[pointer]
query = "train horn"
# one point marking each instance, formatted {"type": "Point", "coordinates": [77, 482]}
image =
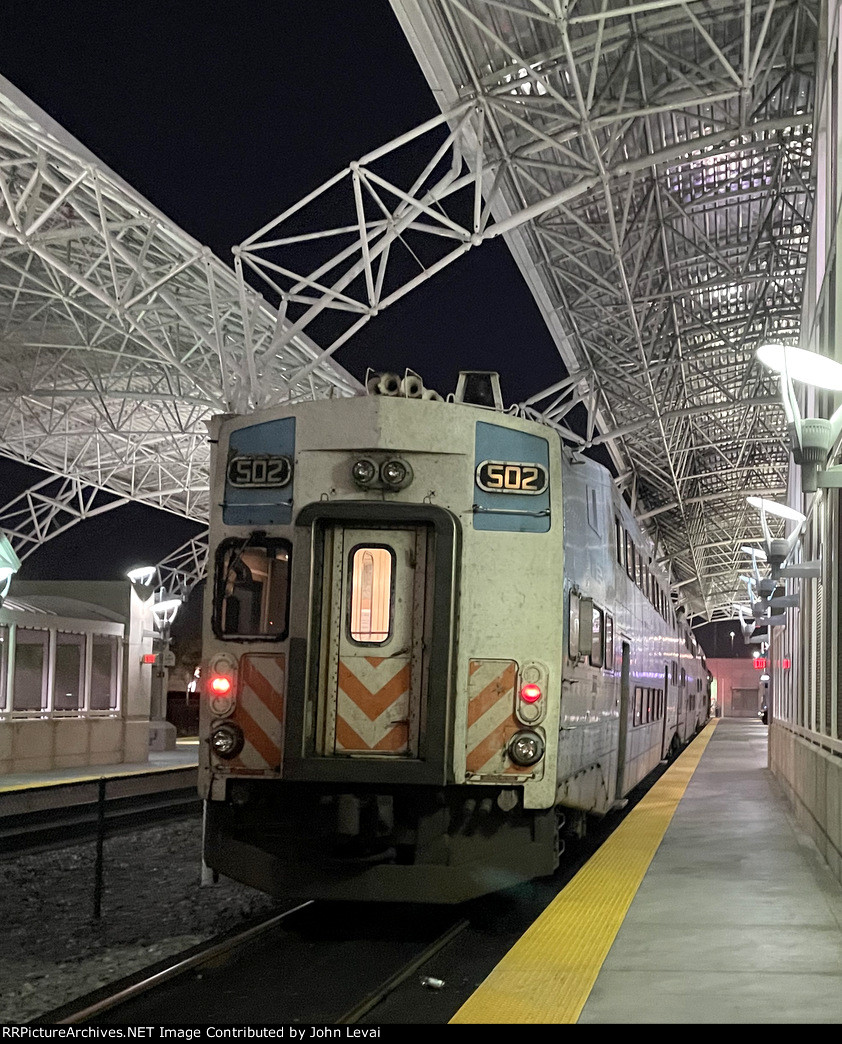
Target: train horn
{"type": "Point", "coordinates": [389, 384]}
{"type": "Point", "coordinates": [431, 396]}
{"type": "Point", "coordinates": [412, 386]}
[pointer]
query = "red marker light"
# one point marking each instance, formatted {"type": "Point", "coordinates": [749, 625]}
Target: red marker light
{"type": "Point", "coordinates": [148, 658]}
{"type": "Point", "coordinates": [760, 663]}
{"type": "Point", "coordinates": [531, 693]}
{"type": "Point", "coordinates": [787, 663]}
{"type": "Point", "coordinates": [220, 685]}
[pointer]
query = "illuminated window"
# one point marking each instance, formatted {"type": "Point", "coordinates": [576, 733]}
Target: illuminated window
{"type": "Point", "coordinates": [637, 718]}
{"type": "Point", "coordinates": [371, 594]}
{"type": "Point", "coordinates": [252, 588]}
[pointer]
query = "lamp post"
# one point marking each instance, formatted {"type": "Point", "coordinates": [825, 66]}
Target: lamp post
{"type": "Point", "coordinates": [162, 733]}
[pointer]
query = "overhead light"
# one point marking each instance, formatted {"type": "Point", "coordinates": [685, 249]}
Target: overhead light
{"type": "Point", "coordinates": [811, 438]}
{"type": "Point", "coordinates": [143, 581]}
{"type": "Point", "coordinates": [772, 507]}
{"type": "Point", "coordinates": [801, 365]}
{"type": "Point", "coordinates": [165, 611]}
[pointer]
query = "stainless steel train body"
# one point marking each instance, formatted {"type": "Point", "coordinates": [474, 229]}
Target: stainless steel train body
{"type": "Point", "coordinates": [429, 636]}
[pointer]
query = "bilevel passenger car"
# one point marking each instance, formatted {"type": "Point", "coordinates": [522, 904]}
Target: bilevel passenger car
{"type": "Point", "coordinates": [430, 635]}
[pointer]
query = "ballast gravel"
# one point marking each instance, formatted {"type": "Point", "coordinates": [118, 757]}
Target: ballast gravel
{"type": "Point", "coordinates": [52, 948]}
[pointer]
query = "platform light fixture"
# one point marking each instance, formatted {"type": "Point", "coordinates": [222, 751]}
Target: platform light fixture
{"type": "Point", "coordinates": [812, 438]}
{"type": "Point", "coordinates": [143, 581]}
{"type": "Point", "coordinates": [164, 612]}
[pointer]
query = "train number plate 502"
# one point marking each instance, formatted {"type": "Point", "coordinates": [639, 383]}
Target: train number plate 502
{"type": "Point", "coordinates": [259, 471]}
{"type": "Point", "coordinates": [501, 476]}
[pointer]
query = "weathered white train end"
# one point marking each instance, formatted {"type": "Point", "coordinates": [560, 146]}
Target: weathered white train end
{"type": "Point", "coordinates": [421, 644]}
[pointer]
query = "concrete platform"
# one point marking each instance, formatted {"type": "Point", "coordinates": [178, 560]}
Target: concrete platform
{"type": "Point", "coordinates": [185, 755]}
{"type": "Point", "coordinates": [736, 920]}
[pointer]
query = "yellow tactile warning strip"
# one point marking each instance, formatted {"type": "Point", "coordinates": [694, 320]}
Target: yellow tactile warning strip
{"type": "Point", "coordinates": [549, 973]}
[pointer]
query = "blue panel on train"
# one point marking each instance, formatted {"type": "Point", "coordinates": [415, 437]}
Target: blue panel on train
{"type": "Point", "coordinates": [259, 475]}
{"type": "Point", "coordinates": [511, 480]}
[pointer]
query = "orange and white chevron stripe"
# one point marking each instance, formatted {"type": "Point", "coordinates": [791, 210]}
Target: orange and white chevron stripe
{"type": "Point", "coordinates": [372, 707]}
{"type": "Point", "coordinates": [491, 717]}
{"type": "Point", "coordinates": [259, 712]}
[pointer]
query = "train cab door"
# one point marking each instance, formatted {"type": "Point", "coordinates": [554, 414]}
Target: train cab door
{"type": "Point", "coordinates": [372, 698]}
{"type": "Point", "coordinates": [625, 698]}
{"type": "Point", "coordinates": [665, 734]}
{"type": "Point", "coordinates": [681, 709]}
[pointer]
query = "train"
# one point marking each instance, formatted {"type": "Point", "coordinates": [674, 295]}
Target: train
{"type": "Point", "coordinates": [435, 641]}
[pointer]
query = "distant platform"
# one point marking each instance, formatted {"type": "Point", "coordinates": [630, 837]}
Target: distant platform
{"type": "Point", "coordinates": [185, 756]}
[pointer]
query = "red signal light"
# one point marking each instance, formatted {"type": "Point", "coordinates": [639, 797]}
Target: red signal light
{"type": "Point", "coordinates": [148, 658]}
{"type": "Point", "coordinates": [531, 693]}
{"type": "Point", "coordinates": [760, 663]}
{"type": "Point", "coordinates": [220, 685]}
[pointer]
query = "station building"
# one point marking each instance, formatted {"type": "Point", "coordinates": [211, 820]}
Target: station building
{"type": "Point", "coordinates": [77, 671]}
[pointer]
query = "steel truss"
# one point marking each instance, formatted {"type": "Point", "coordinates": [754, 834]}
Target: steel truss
{"type": "Point", "coordinates": [650, 166]}
{"type": "Point", "coordinates": [120, 334]}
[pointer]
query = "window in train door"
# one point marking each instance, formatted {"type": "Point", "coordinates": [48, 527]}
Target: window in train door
{"type": "Point", "coordinates": [598, 638]}
{"type": "Point", "coordinates": [609, 642]}
{"type": "Point", "coordinates": [372, 594]}
{"type": "Point", "coordinates": [573, 627]}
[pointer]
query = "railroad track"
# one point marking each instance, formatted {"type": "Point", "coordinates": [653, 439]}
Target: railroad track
{"type": "Point", "coordinates": [70, 813]}
{"type": "Point", "coordinates": [166, 991]}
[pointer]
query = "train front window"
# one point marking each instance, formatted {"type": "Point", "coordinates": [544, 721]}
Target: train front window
{"type": "Point", "coordinates": [252, 588]}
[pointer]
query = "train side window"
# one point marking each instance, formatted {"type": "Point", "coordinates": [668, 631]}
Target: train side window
{"type": "Point", "coordinates": [598, 638]}
{"type": "Point", "coordinates": [638, 707]}
{"type": "Point", "coordinates": [683, 677]}
{"type": "Point", "coordinates": [629, 556]}
{"type": "Point", "coordinates": [371, 582]}
{"type": "Point", "coordinates": [609, 641]}
{"type": "Point", "coordinates": [251, 593]}
{"type": "Point", "coordinates": [674, 672]}
{"type": "Point", "coordinates": [619, 534]}
{"type": "Point", "coordinates": [573, 628]}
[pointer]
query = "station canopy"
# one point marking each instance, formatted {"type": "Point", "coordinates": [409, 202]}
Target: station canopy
{"type": "Point", "coordinates": [649, 166]}
{"type": "Point", "coordinates": [677, 137]}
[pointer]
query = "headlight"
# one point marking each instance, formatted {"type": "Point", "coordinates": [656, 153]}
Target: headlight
{"type": "Point", "coordinates": [226, 740]}
{"type": "Point", "coordinates": [526, 748]}
{"type": "Point", "coordinates": [396, 474]}
{"type": "Point", "coordinates": [364, 472]}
